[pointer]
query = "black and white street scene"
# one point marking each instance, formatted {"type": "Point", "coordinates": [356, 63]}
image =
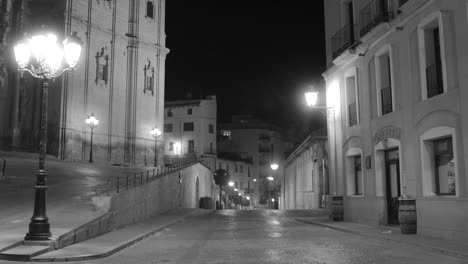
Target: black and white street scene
{"type": "Point", "coordinates": [180, 132]}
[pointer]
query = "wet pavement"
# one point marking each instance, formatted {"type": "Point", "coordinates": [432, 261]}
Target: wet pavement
{"type": "Point", "coordinates": [266, 236]}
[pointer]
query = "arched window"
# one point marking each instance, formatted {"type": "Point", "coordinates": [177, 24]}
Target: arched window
{"type": "Point", "coordinates": [149, 9]}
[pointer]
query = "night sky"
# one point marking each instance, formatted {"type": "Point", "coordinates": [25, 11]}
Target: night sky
{"type": "Point", "coordinates": [257, 57]}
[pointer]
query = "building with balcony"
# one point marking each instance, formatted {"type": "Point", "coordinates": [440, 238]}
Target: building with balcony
{"type": "Point", "coordinates": [306, 180]}
{"type": "Point", "coordinates": [119, 78]}
{"type": "Point", "coordinates": [263, 143]}
{"type": "Point", "coordinates": [395, 80]}
{"type": "Point", "coordinates": [190, 127]}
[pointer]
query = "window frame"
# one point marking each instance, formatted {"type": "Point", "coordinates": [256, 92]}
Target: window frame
{"type": "Point", "coordinates": [439, 18]}
{"type": "Point", "coordinates": [353, 72]}
{"type": "Point", "coordinates": [166, 126]}
{"type": "Point", "coordinates": [150, 2]}
{"type": "Point", "coordinates": [428, 166]}
{"type": "Point", "coordinates": [186, 126]}
{"type": "Point", "coordinates": [386, 50]}
{"type": "Point", "coordinates": [191, 146]}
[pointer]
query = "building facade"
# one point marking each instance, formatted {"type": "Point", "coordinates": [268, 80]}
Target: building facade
{"type": "Point", "coordinates": [396, 83]}
{"type": "Point", "coordinates": [263, 143]}
{"type": "Point", "coordinates": [190, 127]}
{"type": "Point", "coordinates": [119, 78]}
{"type": "Point", "coordinates": [240, 174]}
{"type": "Point", "coordinates": [306, 180]}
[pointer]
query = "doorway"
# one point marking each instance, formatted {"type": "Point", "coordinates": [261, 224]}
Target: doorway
{"type": "Point", "coordinates": [392, 182]}
{"type": "Point", "coordinates": [197, 193]}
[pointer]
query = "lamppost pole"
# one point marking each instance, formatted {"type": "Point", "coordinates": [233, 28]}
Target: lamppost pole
{"type": "Point", "coordinates": [44, 59]}
{"type": "Point", "coordinates": [92, 122]}
{"type": "Point", "coordinates": [155, 132]}
{"type": "Point", "coordinates": [274, 167]}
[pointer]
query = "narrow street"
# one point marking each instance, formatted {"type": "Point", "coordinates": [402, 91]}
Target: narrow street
{"type": "Point", "coordinates": [266, 236]}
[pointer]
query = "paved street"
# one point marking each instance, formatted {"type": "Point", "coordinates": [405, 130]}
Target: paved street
{"type": "Point", "coordinates": [260, 236]}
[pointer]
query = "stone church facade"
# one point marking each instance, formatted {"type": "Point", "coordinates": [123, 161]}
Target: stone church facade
{"type": "Point", "coordinates": [119, 78]}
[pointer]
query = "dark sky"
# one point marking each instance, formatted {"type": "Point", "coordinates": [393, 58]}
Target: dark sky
{"type": "Point", "coordinates": [256, 56]}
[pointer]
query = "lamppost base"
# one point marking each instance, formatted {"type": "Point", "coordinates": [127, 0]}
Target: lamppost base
{"type": "Point", "coordinates": [38, 231]}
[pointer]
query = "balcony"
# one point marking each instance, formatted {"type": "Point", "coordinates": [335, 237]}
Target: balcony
{"type": "Point", "coordinates": [345, 38]}
{"type": "Point", "coordinates": [352, 114]}
{"type": "Point", "coordinates": [434, 81]}
{"type": "Point", "coordinates": [386, 99]}
{"type": "Point", "coordinates": [374, 13]}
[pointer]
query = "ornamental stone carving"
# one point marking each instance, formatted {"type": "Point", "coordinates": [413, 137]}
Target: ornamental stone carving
{"type": "Point", "coordinates": [386, 133]}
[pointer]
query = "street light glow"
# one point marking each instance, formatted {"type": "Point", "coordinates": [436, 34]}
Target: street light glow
{"type": "Point", "coordinates": [155, 132]}
{"type": "Point", "coordinates": [270, 178]}
{"type": "Point", "coordinates": [231, 183]}
{"type": "Point", "coordinates": [274, 166]}
{"type": "Point", "coordinates": [235, 190]}
{"type": "Point", "coordinates": [273, 199]}
{"type": "Point", "coordinates": [91, 121]}
{"type": "Point", "coordinates": [248, 197]}
{"type": "Point", "coordinates": [240, 194]}
{"type": "Point", "coordinates": [311, 98]}
{"type": "Point", "coordinates": [254, 180]}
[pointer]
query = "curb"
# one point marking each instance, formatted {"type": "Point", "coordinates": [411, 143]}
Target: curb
{"type": "Point", "coordinates": [429, 248]}
{"type": "Point", "coordinates": [119, 247]}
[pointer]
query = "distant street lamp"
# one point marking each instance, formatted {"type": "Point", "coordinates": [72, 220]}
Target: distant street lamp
{"type": "Point", "coordinates": [92, 122]}
{"type": "Point", "coordinates": [44, 58]}
{"type": "Point", "coordinates": [274, 166]}
{"type": "Point", "coordinates": [231, 183]}
{"type": "Point", "coordinates": [235, 189]}
{"type": "Point", "coordinates": [254, 180]}
{"type": "Point", "coordinates": [155, 132]}
{"type": "Point", "coordinates": [270, 178]}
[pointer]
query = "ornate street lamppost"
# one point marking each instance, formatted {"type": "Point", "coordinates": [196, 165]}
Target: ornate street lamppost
{"type": "Point", "coordinates": [44, 58]}
{"type": "Point", "coordinates": [92, 122]}
{"type": "Point", "coordinates": [333, 102]}
{"type": "Point", "coordinates": [155, 132]}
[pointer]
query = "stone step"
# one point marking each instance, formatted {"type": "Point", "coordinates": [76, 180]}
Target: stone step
{"type": "Point", "coordinates": [25, 252]}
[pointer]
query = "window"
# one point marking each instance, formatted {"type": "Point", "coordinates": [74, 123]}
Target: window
{"type": "Point", "coordinates": [189, 111]}
{"type": "Point", "coordinates": [444, 167]}
{"type": "Point", "coordinates": [439, 162]}
{"type": "Point", "coordinates": [241, 168]}
{"type": "Point", "coordinates": [352, 97]}
{"type": "Point", "coordinates": [210, 129]}
{"type": "Point", "coordinates": [191, 146]}
{"type": "Point", "coordinates": [211, 147]}
{"type": "Point", "coordinates": [431, 59]}
{"type": "Point", "coordinates": [167, 128]}
{"type": "Point", "coordinates": [188, 126]}
{"type": "Point", "coordinates": [226, 134]}
{"type": "Point", "coordinates": [171, 146]}
{"type": "Point", "coordinates": [241, 185]}
{"type": "Point", "coordinates": [357, 175]}
{"type": "Point", "coordinates": [149, 9]}
{"type": "Point", "coordinates": [384, 82]}
{"type": "Point", "coordinates": [235, 168]}
{"type": "Point", "coordinates": [169, 113]}
{"type": "Point", "coordinates": [236, 184]}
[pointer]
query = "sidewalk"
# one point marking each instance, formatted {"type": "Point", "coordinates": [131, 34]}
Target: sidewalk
{"type": "Point", "coordinates": [117, 240]}
{"type": "Point", "coordinates": [443, 246]}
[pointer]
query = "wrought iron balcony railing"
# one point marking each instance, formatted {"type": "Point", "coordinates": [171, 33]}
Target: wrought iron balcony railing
{"type": "Point", "coordinates": [352, 114]}
{"type": "Point", "coordinates": [345, 38]}
{"type": "Point", "coordinates": [434, 81]}
{"type": "Point", "coordinates": [402, 2]}
{"type": "Point", "coordinates": [386, 99]}
{"type": "Point", "coordinates": [374, 13]}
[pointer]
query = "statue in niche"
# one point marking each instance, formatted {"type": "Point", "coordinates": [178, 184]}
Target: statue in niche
{"type": "Point", "coordinates": [149, 78]}
{"type": "Point", "coordinates": [102, 67]}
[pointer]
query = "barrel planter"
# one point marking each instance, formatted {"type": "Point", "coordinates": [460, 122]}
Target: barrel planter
{"type": "Point", "coordinates": [337, 208]}
{"type": "Point", "coordinates": [407, 216]}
